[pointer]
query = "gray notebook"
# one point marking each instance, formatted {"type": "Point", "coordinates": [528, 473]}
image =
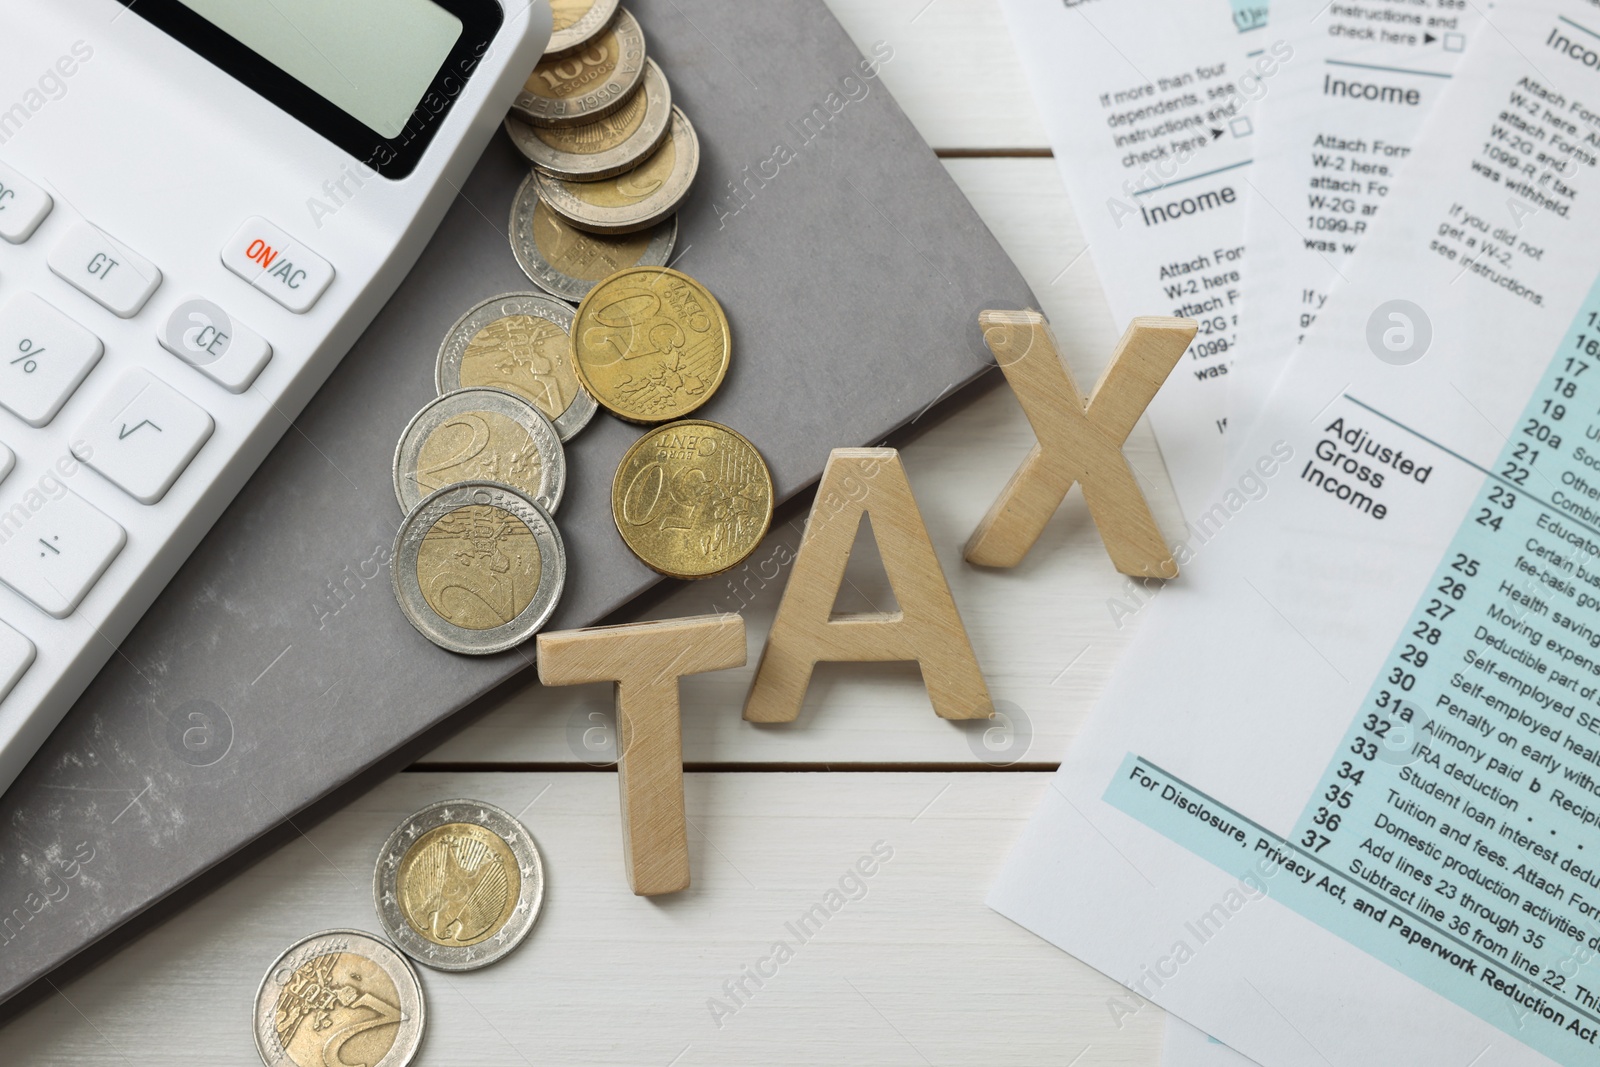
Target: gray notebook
{"type": "Point", "coordinates": [276, 676]}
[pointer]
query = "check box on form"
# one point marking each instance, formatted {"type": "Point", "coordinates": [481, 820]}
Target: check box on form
{"type": "Point", "coordinates": [1242, 126]}
{"type": "Point", "coordinates": [1455, 42]}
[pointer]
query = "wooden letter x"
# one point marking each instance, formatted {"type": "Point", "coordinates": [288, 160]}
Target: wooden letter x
{"type": "Point", "coordinates": [1079, 441]}
{"type": "Point", "coordinates": [645, 660]}
{"type": "Point", "coordinates": [927, 629]}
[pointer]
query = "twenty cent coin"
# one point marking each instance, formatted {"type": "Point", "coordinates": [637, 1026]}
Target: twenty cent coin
{"type": "Point", "coordinates": [638, 199]}
{"type": "Point", "coordinates": [605, 148]}
{"type": "Point", "coordinates": [478, 568]}
{"type": "Point", "coordinates": [340, 996]}
{"type": "Point", "coordinates": [480, 435]}
{"type": "Point", "coordinates": [567, 262]}
{"type": "Point", "coordinates": [650, 344]}
{"type": "Point", "coordinates": [589, 83]}
{"type": "Point", "coordinates": [518, 342]}
{"type": "Point", "coordinates": [692, 499]}
{"type": "Point", "coordinates": [575, 21]}
{"type": "Point", "coordinates": [458, 885]}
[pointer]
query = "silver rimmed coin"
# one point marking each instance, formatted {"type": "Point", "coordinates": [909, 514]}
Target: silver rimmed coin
{"type": "Point", "coordinates": [517, 342]}
{"type": "Point", "coordinates": [480, 435]}
{"type": "Point", "coordinates": [588, 83]}
{"type": "Point", "coordinates": [341, 996]}
{"type": "Point", "coordinates": [638, 199]}
{"type": "Point", "coordinates": [458, 885]}
{"type": "Point", "coordinates": [602, 149]}
{"type": "Point", "coordinates": [575, 21]}
{"type": "Point", "coordinates": [567, 262]}
{"type": "Point", "coordinates": [478, 568]}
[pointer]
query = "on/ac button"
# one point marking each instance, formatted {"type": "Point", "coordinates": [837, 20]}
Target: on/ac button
{"type": "Point", "coordinates": [277, 264]}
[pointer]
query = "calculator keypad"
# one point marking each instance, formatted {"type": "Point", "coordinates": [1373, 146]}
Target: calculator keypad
{"type": "Point", "coordinates": [142, 434]}
{"type": "Point", "coordinates": [277, 265]}
{"type": "Point", "coordinates": [206, 337]}
{"type": "Point", "coordinates": [16, 656]}
{"type": "Point", "coordinates": [53, 548]}
{"type": "Point", "coordinates": [44, 356]}
{"type": "Point", "coordinates": [106, 271]}
{"type": "Point", "coordinates": [23, 205]}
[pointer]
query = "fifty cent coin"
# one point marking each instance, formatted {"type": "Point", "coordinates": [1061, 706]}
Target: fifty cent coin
{"type": "Point", "coordinates": [340, 996]}
{"type": "Point", "coordinates": [589, 83]}
{"type": "Point", "coordinates": [458, 885]}
{"type": "Point", "coordinates": [478, 568]}
{"type": "Point", "coordinates": [650, 344]}
{"type": "Point", "coordinates": [638, 199]}
{"type": "Point", "coordinates": [480, 435]}
{"type": "Point", "coordinates": [692, 499]}
{"type": "Point", "coordinates": [605, 148]}
{"type": "Point", "coordinates": [575, 21]}
{"type": "Point", "coordinates": [518, 342]}
{"type": "Point", "coordinates": [567, 262]}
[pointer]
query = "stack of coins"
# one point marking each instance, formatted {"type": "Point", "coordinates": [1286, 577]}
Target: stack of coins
{"type": "Point", "coordinates": [479, 563]}
{"type": "Point", "coordinates": [612, 156]}
{"type": "Point", "coordinates": [691, 498]}
{"type": "Point", "coordinates": [456, 887]}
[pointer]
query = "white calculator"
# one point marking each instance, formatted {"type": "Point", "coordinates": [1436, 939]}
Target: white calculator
{"type": "Point", "coordinates": [203, 203]}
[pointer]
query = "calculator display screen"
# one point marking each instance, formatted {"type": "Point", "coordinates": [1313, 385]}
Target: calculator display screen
{"type": "Point", "coordinates": [378, 78]}
{"type": "Point", "coordinates": [372, 58]}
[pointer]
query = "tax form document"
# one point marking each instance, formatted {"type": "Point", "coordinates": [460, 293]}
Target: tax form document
{"type": "Point", "coordinates": [1337, 125]}
{"type": "Point", "coordinates": [1341, 803]}
{"type": "Point", "coordinates": [1185, 1046]}
{"type": "Point", "coordinates": [1148, 105]}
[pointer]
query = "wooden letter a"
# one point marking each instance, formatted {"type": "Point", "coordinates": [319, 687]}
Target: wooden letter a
{"type": "Point", "coordinates": [927, 629]}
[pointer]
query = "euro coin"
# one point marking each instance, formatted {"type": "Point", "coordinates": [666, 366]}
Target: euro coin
{"type": "Point", "coordinates": [589, 83]}
{"type": "Point", "coordinates": [650, 344]}
{"type": "Point", "coordinates": [340, 996]}
{"type": "Point", "coordinates": [692, 499]}
{"type": "Point", "coordinates": [458, 885]}
{"type": "Point", "coordinates": [478, 568]}
{"type": "Point", "coordinates": [518, 342]}
{"type": "Point", "coordinates": [602, 149]}
{"type": "Point", "coordinates": [574, 22]}
{"type": "Point", "coordinates": [566, 262]}
{"type": "Point", "coordinates": [480, 435]}
{"type": "Point", "coordinates": [637, 199]}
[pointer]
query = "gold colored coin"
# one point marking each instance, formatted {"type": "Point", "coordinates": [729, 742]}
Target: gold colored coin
{"type": "Point", "coordinates": [634, 199]}
{"type": "Point", "coordinates": [575, 21]}
{"type": "Point", "coordinates": [479, 446]}
{"type": "Point", "coordinates": [524, 355]}
{"type": "Point", "coordinates": [636, 186]}
{"type": "Point", "coordinates": [565, 13]}
{"type": "Point", "coordinates": [650, 344]}
{"type": "Point", "coordinates": [478, 567]}
{"type": "Point", "coordinates": [613, 145]}
{"type": "Point", "coordinates": [601, 136]}
{"type": "Point", "coordinates": [692, 499]}
{"type": "Point", "coordinates": [588, 83]}
{"type": "Point", "coordinates": [334, 994]}
{"type": "Point", "coordinates": [558, 79]}
{"type": "Point", "coordinates": [588, 257]}
{"type": "Point", "coordinates": [458, 885]}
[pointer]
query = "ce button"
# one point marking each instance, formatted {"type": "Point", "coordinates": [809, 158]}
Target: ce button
{"type": "Point", "coordinates": [216, 344]}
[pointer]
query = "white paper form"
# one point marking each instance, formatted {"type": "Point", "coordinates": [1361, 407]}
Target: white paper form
{"type": "Point", "coordinates": [1187, 1047]}
{"type": "Point", "coordinates": [1341, 803]}
{"type": "Point", "coordinates": [1336, 127]}
{"type": "Point", "coordinates": [1148, 105]}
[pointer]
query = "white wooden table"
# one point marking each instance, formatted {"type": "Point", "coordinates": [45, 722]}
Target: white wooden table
{"type": "Point", "coordinates": [916, 971]}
